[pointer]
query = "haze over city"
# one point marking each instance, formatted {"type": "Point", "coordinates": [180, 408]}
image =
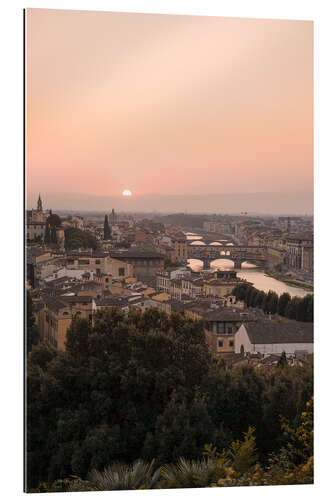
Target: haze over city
{"type": "Point", "coordinates": [189, 113]}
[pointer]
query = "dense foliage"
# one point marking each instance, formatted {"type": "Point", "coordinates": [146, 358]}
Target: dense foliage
{"type": "Point", "coordinates": [236, 465]}
{"type": "Point", "coordinates": [76, 238]}
{"type": "Point", "coordinates": [32, 336]}
{"type": "Point", "coordinates": [143, 386]}
{"type": "Point", "coordinates": [300, 309]}
{"type": "Point", "coordinates": [52, 223]}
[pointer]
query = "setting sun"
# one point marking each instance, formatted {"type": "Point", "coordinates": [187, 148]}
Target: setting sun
{"type": "Point", "coordinates": [127, 192]}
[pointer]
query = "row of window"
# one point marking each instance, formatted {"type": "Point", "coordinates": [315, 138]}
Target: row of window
{"type": "Point", "coordinates": [224, 343]}
{"type": "Point", "coordinates": [221, 327]}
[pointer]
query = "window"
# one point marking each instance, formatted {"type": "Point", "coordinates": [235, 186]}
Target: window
{"type": "Point", "coordinates": [220, 327]}
{"type": "Point", "coordinates": [97, 261]}
{"type": "Point", "coordinates": [121, 271]}
{"type": "Point", "coordinates": [231, 343]}
{"type": "Point", "coordinates": [106, 280]}
{"type": "Point", "coordinates": [220, 343]}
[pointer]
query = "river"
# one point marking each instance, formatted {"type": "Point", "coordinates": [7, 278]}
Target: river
{"type": "Point", "coordinates": [251, 273]}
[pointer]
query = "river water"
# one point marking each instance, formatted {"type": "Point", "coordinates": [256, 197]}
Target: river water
{"type": "Point", "coordinates": [250, 272]}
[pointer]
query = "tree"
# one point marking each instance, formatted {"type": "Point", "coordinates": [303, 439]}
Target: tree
{"type": "Point", "coordinates": [76, 238]}
{"type": "Point", "coordinates": [292, 308]}
{"type": "Point", "coordinates": [107, 230]}
{"type": "Point", "coordinates": [53, 236]}
{"type": "Point", "coordinates": [32, 335]}
{"type": "Point", "coordinates": [47, 237]}
{"type": "Point", "coordinates": [284, 300]}
{"type": "Point", "coordinates": [142, 385]}
{"type": "Point", "coordinates": [54, 220]}
{"type": "Point", "coordinates": [260, 298]}
{"type": "Point", "coordinates": [77, 338]}
{"type": "Point", "coordinates": [273, 303]}
{"type": "Point", "coordinates": [283, 359]}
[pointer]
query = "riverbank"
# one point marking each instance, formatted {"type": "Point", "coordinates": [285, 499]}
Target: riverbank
{"type": "Point", "coordinates": [288, 280]}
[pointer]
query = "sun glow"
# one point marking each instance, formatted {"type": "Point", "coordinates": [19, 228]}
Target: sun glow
{"type": "Point", "coordinates": [127, 192]}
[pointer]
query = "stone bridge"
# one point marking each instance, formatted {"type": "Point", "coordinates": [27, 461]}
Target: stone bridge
{"type": "Point", "coordinates": [210, 241]}
{"type": "Point", "coordinates": [237, 253]}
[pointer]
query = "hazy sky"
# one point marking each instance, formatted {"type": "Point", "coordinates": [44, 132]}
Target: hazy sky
{"type": "Point", "coordinates": [166, 105]}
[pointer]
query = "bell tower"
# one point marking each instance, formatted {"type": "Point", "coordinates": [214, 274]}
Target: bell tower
{"type": "Point", "coordinates": [39, 204]}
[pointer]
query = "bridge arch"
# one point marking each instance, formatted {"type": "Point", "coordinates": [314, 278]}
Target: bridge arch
{"type": "Point", "coordinates": [235, 264]}
{"type": "Point", "coordinates": [197, 243]}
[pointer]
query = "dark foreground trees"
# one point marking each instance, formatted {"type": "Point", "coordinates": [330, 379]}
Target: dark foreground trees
{"type": "Point", "coordinates": [32, 335]}
{"type": "Point", "coordinates": [144, 386]}
{"type": "Point", "coordinates": [236, 465]}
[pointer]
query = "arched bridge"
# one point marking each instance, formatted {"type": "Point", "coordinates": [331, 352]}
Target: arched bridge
{"type": "Point", "coordinates": [215, 242]}
{"type": "Point", "coordinates": [236, 253]}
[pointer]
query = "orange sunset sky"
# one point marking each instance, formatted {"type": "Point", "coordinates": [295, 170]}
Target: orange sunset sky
{"type": "Point", "coordinates": [174, 108]}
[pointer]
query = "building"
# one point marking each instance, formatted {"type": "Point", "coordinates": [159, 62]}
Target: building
{"type": "Point", "coordinates": [163, 278]}
{"type": "Point", "coordinates": [122, 302]}
{"type": "Point", "coordinates": [274, 337]}
{"type": "Point", "coordinates": [307, 258]}
{"type": "Point", "coordinates": [221, 324]}
{"type": "Point", "coordinates": [294, 245]}
{"type": "Point", "coordinates": [113, 218]}
{"type": "Point", "coordinates": [35, 231]}
{"type": "Point", "coordinates": [179, 243]}
{"type": "Point", "coordinates": [217, 227]}
{"type": "Point", "coordinates": [60, 237]}
{"type": "Point", "coordinates": [56, 314]}
{"type": "Point", "coordinates": [145, 263]}
{"type": "Point", "coordinates": [40, 264]}
{"type": "Point", "coordinates": [75, 221]}
{"type": "Point", "coordinates": [221, 284]}
{"type": "Point", "coordinates": [100, 263]}
{"type": "Point", "coordinates": [38, 214]}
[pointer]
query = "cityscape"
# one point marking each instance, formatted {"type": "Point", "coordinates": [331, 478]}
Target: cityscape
{"type": "Point", "coordinates": [168, 332]}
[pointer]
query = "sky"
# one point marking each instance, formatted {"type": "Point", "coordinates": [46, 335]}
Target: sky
{"type": "Point", "coordinates": [188, 112]}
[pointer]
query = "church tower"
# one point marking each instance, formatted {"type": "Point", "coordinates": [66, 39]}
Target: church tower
{"type": "Point", "coordinates": [39, 204]}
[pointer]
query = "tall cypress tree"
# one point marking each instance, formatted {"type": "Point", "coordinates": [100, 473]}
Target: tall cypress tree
{"type": "Point", "coordinates": [107, 230]}
{"type": "Point", "coordinates": [47, 236]}
{"type": "Point", "coordinates": [53, 234]}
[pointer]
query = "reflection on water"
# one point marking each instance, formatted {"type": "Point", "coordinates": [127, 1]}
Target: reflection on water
{"type": "Point", "coordinates": [253, 275]}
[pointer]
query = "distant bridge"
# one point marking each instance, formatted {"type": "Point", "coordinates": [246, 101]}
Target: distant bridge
{"type": "Point", "coordinates": [237, 253]}
{"type": "Point", "coordinates": [211, 241]}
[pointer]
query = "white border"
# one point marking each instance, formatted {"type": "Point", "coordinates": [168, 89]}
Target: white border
{"type": "Point", "coordinates": [12, 220]}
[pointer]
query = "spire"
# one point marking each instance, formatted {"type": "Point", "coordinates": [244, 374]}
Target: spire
{"type": "Point", "coordinates": [39, 204]}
